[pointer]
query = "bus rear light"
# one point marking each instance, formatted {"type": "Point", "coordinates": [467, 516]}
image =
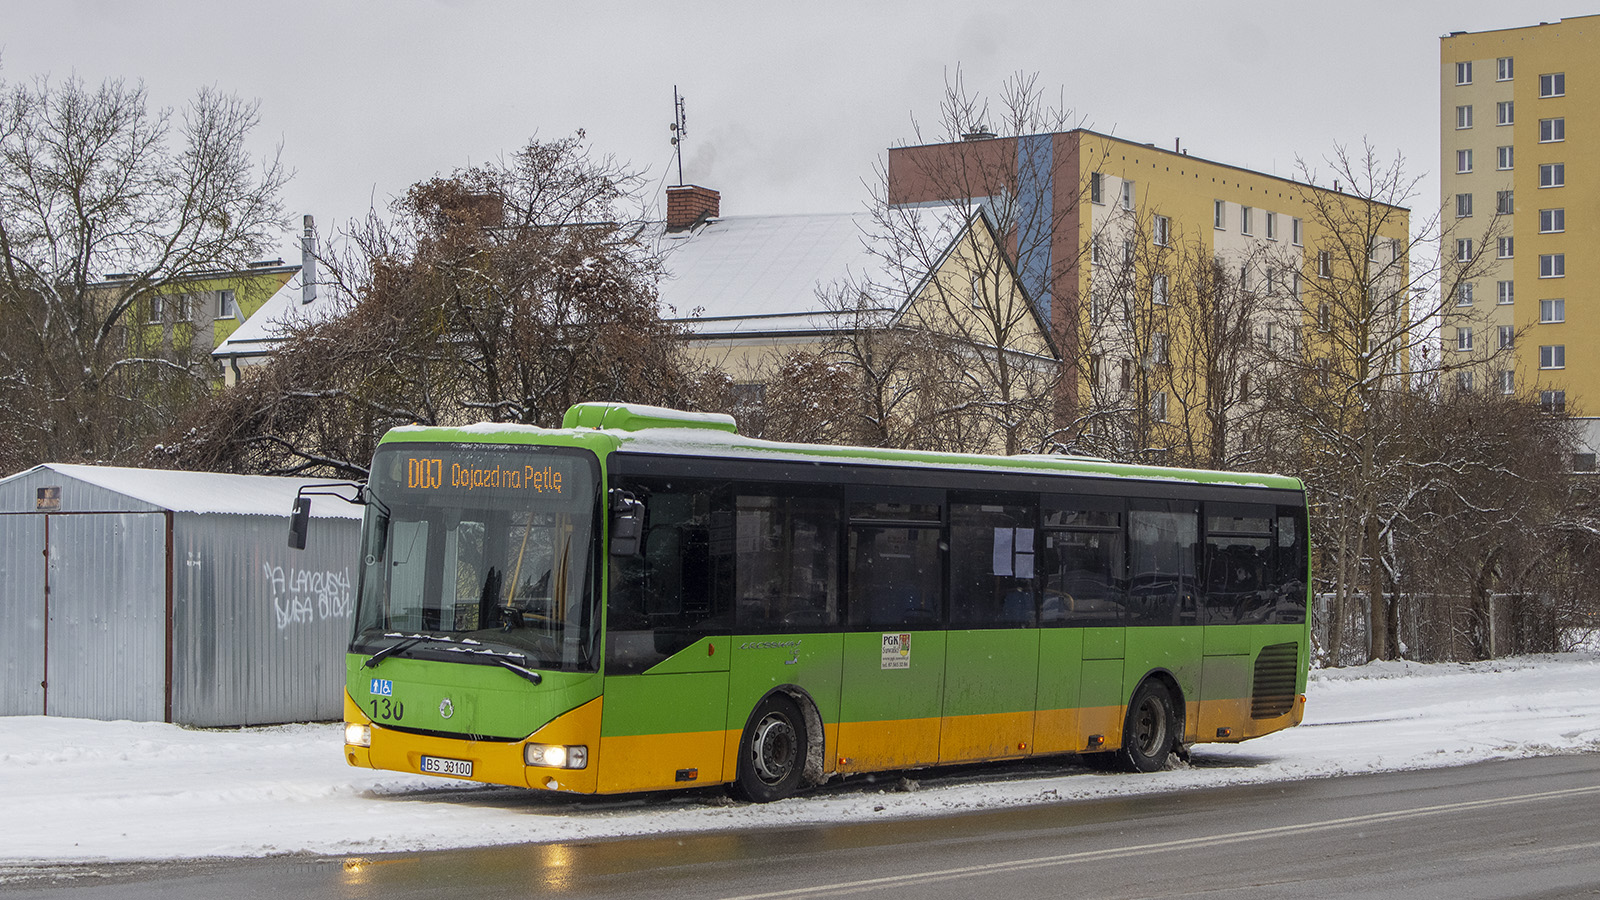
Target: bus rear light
{"type": "Point", "coordinates": [358, 735]}
{"type": "Point", "coordinates": [556, 756]}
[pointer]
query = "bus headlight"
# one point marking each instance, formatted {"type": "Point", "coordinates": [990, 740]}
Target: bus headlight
{"type": "Point", "coordinates": [358, 735]}
{"type": "Point", "coordinates": [556, 756]}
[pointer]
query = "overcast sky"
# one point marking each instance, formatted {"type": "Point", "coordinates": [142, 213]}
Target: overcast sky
{"type": "Point", "coordinates": [789, 105]}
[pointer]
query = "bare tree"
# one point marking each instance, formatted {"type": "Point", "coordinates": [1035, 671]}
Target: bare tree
{"type": "Point", "coordinates": [105, 204]}
{"type": "Point", "coordinates": [504, 293]}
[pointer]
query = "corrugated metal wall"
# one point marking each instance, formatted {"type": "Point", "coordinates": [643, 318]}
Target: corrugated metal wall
{"type": "Point", "coordinates": [261, 629]}
{"type": "Point", "coordinates": [22, 615]}
{"type": "Point", "coordinates": [108, 635]}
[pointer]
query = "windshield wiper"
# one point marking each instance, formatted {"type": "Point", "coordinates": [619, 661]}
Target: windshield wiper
{"type": "Point", "coordinates": [509, 659]}
{"type": "Point", "coordinates": [406, 642]}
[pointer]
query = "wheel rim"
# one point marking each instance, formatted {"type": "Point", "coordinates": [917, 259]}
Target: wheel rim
{"type": "Point", "coordinates": [1150, 727]}
{"type": "Point", "coordinates": [773, 748]}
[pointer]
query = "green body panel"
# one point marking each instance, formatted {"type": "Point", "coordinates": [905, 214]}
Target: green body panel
{"type": "Point", "coordinates": [705, 655]}
{"type": "Point", "coordinates": [1175, 649]}
{"type": "Point", "coordinates": [872, 693]}
{"type": "Point", "coordinates": [1060, 672]}
{"type": "Point", "coordinates": [1230, 640]}
{"type": "Point", "coordinates": [991, 671]}
{"type": "Point", "coordinates": [484, 700]}
{"type": "Point", "coordinates": [810, 662]}
{"type": "Point", "coordinates": [1107, 642]}
{"type": "Point", "coordinates": [665, 704]}
{"type": "Point", "coordinates": [1102, 683]}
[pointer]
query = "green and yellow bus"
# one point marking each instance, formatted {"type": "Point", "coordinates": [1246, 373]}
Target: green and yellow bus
{"type": "Point", "coordinates": [644, 599]}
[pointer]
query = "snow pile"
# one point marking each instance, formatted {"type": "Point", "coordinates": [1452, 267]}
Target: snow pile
{"type": "Point", "coordinates": [80, 790]}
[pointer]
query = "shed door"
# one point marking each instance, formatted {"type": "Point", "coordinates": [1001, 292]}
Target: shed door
{"type": "Point", "coordinates": [107, 648]}
{"type": "Point", "coordinates": [22, 611]}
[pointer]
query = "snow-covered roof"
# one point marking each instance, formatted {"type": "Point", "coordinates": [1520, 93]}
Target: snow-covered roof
{"type": "Point", "coordinates": [259, 335]}
{"type": "Point", "coordinates": [200, 492]}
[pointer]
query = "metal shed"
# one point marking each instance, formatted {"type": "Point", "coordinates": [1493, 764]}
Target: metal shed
{"type": "Point", "coordinates": [171, 597]}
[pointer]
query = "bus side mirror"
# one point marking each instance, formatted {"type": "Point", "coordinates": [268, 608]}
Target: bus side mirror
{"type": "Point", "coordinates": [627, 523]}
{"type": "Point", "coordinates": [299, 522]}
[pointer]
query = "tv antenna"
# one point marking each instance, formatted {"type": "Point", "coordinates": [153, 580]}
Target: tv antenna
{"type": "Point", "coordinates": [678, 129]}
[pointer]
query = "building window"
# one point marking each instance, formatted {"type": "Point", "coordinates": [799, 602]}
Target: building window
{"type": "Point", "coordinates": [1463, 205]}
{"type": "Point", "coordinates": [1094, 251]}
{"type": "Point", "coordinates": [155, 309]}
{"type": "Point", "coordinates": [1552, 221]}
{"type": "Point", "coordinates": [1244, 277]}
{"type": "Point", "coordinates": [1294, 282]}
{"type": "Point", "coordinates": [1163, 228]}
{"type": "Point", "coordinates": [1508, 335]}
{"type": "Point", "coordinates": [1463, 73]}
{"type": "Point", "coordinates": [1219, 214]}
{"type": "Point", "coordinates": [1553, 265]}
{"type": "Point", "coordinates": [1463, 162]}
{"type": "Point", "coordinates": [1245, 226]}
{"type": "Point", "coordinates": [1463, 339]}
{"type": "Point", "coordinates": [1296, 235]}
{"type": "Point", "coordinates": [1503, 69]}
{"type": "Point", "coordinates": [1158, 348]}
{"type": "Point", "coordinates": [1463, 117]}
{"type": "Point", "coordinates": [1553, 356]}
{"type": "Point", "coordinates": [1127, 195]}
{"type": "Point", "coordinates": [1504, 112]}
{"type": "Point", "coordinates": [1463, 249]}
{"type": "Point", "coordinates": [1096, 188]}
{"type": "Point", "coordinates": [1553, 85]}
{"type": "Point", "coordinates": [1552, 130]}
{"type": "Point", "coordinates": [1505, 248]}
{"type": "Point", "coordinates": [227, 305]}
{"type": "Point", "coordinates": [1553, 175]}
{"type": "Point", "coordinates": [1127, 252]}
{"type": "Point", "coordinates": [1272, 226]}
{"type": "Point", "coordinates": [1503, 203]}
{"type": "Point", "coordinates": [1503, 158]}
{"type": "Point", "coordinates": [1158, 406]}
{"type": "Point", "coordinates": [1505, 293]}
{"type": "Point", "coordinates": [1464, 380]}
{"type": "Point", "coordinates": [1553, 401]}
{"type": "Point", "coordinates": [1508, 384]}
{"type": "Point", "coordinates": [1127, 374]}
{"type": "Point", "coordinates": [1158, 290]}
{"type": "Point", "coordinates": [1464, 294]}
{"type": "Point", "coordinates": [1552, 312]}
{"type": "Point", "coordinates": [1324, 264]}
{"type": "Point", "coordinates": [1324, 316]}
{"type": "Point", "coordinates": [1270, 337]}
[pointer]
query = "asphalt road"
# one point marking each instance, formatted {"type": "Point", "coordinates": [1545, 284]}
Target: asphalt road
{"type": "Point", "coordinates": [1516, 829]}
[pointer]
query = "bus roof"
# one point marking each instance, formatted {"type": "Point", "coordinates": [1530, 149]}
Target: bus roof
{"type": "Point", "coordinates": [635, 428]}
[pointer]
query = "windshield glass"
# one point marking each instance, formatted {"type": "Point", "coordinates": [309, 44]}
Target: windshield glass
{"type": "Point", "coordinates": [490, 548]}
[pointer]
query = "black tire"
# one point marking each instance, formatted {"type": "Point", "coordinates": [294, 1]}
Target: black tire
{"type": "Point", "coordinates": [772, 752]}
{"type": "Point", "coordinates": [1149, 733]}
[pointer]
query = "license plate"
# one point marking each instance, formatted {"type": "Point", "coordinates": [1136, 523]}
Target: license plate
{"type": "Point", "coordinates": [439, 765]}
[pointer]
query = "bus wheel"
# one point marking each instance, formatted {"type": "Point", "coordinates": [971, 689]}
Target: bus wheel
{"type": "Point", "coordinates": [1147, 735]}
{"type": "Point", "coordinates": [772, 753]}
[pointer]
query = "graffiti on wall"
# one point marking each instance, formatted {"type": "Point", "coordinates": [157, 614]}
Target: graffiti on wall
{"type": "Point", "coordinates": [305, 596]}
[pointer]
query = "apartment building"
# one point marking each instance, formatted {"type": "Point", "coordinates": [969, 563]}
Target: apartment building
{"type": "Point", "coordinates": [1107, 233]}
{"type": "Point", "coordinates": [1515, 153]}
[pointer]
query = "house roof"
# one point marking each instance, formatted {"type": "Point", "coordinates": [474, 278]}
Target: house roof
{"type": "Point", "coordinates": [199, 492]}
{"type": "Point", "coordinates": [259, 335]}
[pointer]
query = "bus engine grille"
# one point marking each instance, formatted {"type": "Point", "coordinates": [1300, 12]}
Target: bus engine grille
{"type": "Point", "coordinates": [1277, 669]}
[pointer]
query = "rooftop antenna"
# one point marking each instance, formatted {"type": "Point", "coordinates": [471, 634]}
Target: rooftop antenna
{"type": "Point", "coordinates": [678, 129]}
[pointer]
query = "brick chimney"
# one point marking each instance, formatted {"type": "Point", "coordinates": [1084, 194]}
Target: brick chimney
{"type": "Point", "coordinates": [690, 204]}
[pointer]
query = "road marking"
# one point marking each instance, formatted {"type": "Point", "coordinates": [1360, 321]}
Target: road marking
{"type": "Point", "coordinates": [1039, 862]}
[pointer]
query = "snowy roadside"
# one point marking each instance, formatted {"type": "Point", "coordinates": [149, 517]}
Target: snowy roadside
{"type": "Point", "coordinates": [80, 790]}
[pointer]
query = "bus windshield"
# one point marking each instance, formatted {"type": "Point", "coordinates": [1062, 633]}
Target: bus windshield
{"type": "Point", "coordinates": [487, 552]}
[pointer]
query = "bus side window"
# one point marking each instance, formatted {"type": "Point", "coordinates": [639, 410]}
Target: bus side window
{"type": "Point", "coordinates": [1239, 563]}
{"type": "Point", "coordinates": [896, 566]}
{"type": "Point", "coordinates": [671, 594]}
{"type": "Point", "coordinates": [1163, 537]}
{"type": "Point", "coordinates": [992, 565]}
{"type": "Point", "coordinates": [786, 562]}
{"type": "Point", "coordinates": [1292, 573]}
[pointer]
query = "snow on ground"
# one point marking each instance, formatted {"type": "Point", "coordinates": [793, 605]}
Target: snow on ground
{"type": "Point", "coordinates": [81, 791]}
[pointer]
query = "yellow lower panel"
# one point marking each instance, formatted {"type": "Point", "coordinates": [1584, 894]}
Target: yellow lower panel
{"type": "Point", "coordinates": [988, 736]}
{"type": "Point", "coordinates": [1105, 721]}
{"type": "Point", "coordinates": [652, 762]}
{"type": "Point", "coordinates": [896, 744]}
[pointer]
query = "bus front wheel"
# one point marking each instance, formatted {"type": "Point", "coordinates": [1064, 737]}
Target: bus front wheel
{"type": "Point", "coordinates": [772, 752]}
{"type": "Point", "coordinates": [1147, 736]}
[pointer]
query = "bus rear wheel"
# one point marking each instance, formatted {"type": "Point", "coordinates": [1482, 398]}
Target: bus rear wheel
{"type": "Point", "coordinates": [772, 752]}
{"type": "Point", "coordinates": [1147, 735]}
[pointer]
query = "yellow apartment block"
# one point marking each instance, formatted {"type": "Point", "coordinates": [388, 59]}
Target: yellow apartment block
{"type": "Point", "coordinates": [1513, 149]}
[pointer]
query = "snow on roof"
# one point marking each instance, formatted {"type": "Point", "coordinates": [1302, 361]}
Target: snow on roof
{"type": "Point", "coordinates": [260, 334]}
{"type": "Point", "coordinates": [203, 492]}
{"type": "Point", "coordinates": [741, 274]}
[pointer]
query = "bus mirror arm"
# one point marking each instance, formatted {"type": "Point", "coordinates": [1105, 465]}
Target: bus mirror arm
{"type": "Point", "coordinates": [300, 517]}
{"type": "Point", "coordinates": [627, 523]}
